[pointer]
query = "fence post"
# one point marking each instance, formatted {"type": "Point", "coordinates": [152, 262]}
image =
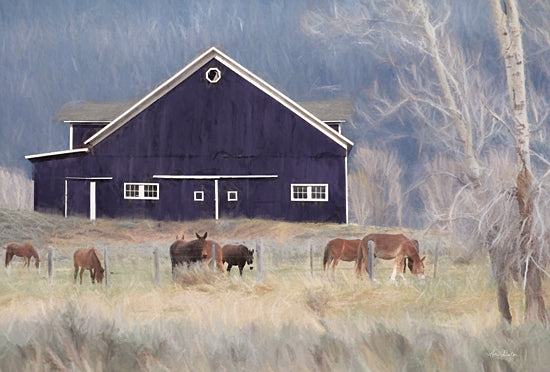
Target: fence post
{"type": "Point", "coordinates": [435, 259]}
{"type": "Point", "coordinates": [106, 259]}
{"type": "Point", "coordinates": [213, 262]}
{"type": "Point", "coordinates": [157, 274]}
{"type": "Point", "coordinates": [50, 264]}
{"type": "Point", "coordinates": [311, 258]}
{"type": "Point", "coordinates": [259, 259]}
{"type": "Point", "coordinates": [370, 263]}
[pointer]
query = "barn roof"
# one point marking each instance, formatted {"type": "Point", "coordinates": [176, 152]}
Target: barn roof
{"type": "Point", "coordinates": [327, 111]}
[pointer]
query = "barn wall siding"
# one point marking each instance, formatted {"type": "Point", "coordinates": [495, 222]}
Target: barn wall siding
{"type": "Point", "coordinates": [83, 131]}
{"type": "Point", "coordinates": [198, 128]}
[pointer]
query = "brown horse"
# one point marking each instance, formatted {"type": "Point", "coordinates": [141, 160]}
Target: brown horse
{"type": "Point", "coordinates": [237, 255]}
{"type": "Point", "coordinates": [207, 254]}
{"type": "Point", "coordinates": [340, 249]}
{"type": "Point", "coordinates": [392, 246]}
{"type": "Point", "coordinates": [182, 251]}
{"type": "Point", "coordinates": [25, 250]}
{"type": "Point", "coordinates": [88, 259]}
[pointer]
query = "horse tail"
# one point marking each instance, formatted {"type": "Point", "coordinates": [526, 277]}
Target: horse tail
{"type": "Point", "coordinates": [326, 256]}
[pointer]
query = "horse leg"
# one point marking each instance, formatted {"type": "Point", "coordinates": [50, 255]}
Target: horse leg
{"type": "Point", "coordinates": [229, 266]}
{"type": "Point", "coordinates": [399, 262]}
{"type": "Point", "coordinates": [241, 267]}
{"type": "Point", "coordinates": [394, 270]}
{"type": "Point", "coordinates": [75, 272]}
{"type": "Point", "coordinates": [327, 263]}
{"type": "Point", "coordinates": [334, 264]}
{"type": "Point", "coordinates": [81, 271]}
{"type": "Point", "coordinates": [9, 256]}
{"type": "Point", "coordinates": [92, 275]}
{"type": "Point", "coordinates": [361, 262]}
{"type": "Point", "coordinates": [27, 261]}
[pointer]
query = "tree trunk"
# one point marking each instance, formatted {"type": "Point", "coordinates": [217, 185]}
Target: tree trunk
{"type": "Point", "coordinates": [509, 33]}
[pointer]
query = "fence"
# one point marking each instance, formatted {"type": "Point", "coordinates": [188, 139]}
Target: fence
{"type": "Point", "coordinates": [115, 257]}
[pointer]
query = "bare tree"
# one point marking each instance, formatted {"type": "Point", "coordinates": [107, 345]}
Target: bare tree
{"type": "Point", "coordinates": [375, 187]}
{"type": "Point", "coordinates": [458, 106]}
{"type": "Point", "coordinates": [509, 31]}
{"type": "Point", "coordinates": [439, 83]}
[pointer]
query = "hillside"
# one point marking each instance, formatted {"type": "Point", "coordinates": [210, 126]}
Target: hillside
{"type": "Point", "coordinates": [67, 234]}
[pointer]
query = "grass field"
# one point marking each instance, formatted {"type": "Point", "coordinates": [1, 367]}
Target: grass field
{"type": "Point", "coordinates": [293, 319]}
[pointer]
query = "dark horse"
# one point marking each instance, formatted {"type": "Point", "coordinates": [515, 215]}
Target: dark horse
{"type": "Point", "coordinates": [25, 250]}
{"type": "Point", "coordinates": [392, 246]}
{"type": "Point", "coordinates": [237, 255]}
{"type": "Point", "coordinates": [340, 249]}
{"type": "Point", "coordinates": [188, 252]}
{"type": "Point", "coordinates": [88, 259]}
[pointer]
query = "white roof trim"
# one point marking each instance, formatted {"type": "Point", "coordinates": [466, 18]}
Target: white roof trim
{"type": "Point", "coordinates": [212, 177]}
{"type": "Point", "coordinates": [90, 178]}
{"type": "Point", "coordinates": [87, 121]}
{"type": "Point", "coordinates": [56, 153]}
{"type": "Point", "coordinates": [196, 64]}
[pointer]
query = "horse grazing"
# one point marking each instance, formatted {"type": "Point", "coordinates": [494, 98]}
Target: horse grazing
{"type": "Point", "coordinates": [25, 250]}
{"type": "Point", "coordinates": [182, 251]}
{"type": "Point", "coordinates": [237, 255]}
{"type": "Point", "coordinates": [207, 254]}
{"type": "Point", "coordinates": [88, 259]}
{"type": "Point", "coordinates": [340, 249]}
{"type": "Point", "coordinates": [392, 246]}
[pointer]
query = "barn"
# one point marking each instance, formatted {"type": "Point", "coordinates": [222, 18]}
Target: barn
{"type": "Point", "coordinates": [213, 141]}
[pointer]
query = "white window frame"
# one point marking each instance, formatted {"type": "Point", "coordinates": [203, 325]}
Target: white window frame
{"type": "Point", "coordinates": [217, 75]}
{"type": "Point", "coordinates": [310, 196]}
{"type": "Point", "coordinates": [232, 195]}
{"type": "Point", "coordinates": [141, 191]}
{"type": "Point", "coordinates": [198, 196]}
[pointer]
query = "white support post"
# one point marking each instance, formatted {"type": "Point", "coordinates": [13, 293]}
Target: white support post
{"type": "Point", "coordinates": [71, 137]}
{"type": "Point", "coordinates": [66, 185]}
{"type": "Point", "coordinates": [216, 199]}
{"type": "Point", "coordinates": [347, 190]}
{"type": "Point", "coordinates": [92, 200]}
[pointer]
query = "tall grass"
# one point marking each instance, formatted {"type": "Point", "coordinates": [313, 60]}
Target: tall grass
{"type": "Point", "coordinates": [294, 319]}
{"type": "Point", "coordinates": [16, 189]}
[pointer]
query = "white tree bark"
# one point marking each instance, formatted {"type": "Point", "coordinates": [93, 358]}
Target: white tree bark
{"type": "Point", "coordinates": [509, 31]}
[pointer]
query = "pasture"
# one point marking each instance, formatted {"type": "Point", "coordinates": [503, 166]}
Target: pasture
{"type": "Point", "coordinates": [292, 319]}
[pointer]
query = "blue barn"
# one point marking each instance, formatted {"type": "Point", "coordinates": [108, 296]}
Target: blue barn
{"type": "Point", "coordinates": [213, 141]}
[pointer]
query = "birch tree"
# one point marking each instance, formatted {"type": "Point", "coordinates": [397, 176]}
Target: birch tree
{"type": "Point", "coordinates": [509, 31]}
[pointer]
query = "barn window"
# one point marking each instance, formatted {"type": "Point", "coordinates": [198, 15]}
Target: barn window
{"type": "Point", "coordinates": [213, 75]}
{"type": "Point", "coordinates": [309, 192]}
{"type": "Point", "coordinates": [198, 196]}
{"type": "Point", "coordinates": [232, 196]}
{"type": "Point", "coordinates": [147, 191]}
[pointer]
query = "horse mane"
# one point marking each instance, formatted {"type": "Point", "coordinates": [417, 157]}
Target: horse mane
{"type": "Point", "coordinates": [95, 256]}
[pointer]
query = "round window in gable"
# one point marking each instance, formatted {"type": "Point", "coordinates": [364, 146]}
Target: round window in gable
{"type": "Point", "coordinates": [213, 75]}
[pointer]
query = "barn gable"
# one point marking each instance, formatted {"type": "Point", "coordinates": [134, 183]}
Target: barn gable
{"type": "Point", "coordinates": [174, 81]}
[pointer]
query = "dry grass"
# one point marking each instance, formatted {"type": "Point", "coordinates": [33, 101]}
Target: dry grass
{"type": "Point", "coordinates": [293, 319]}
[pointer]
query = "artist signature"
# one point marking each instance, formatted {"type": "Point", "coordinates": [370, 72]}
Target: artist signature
{"type": "Point", "coordinates": [502, 354]}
